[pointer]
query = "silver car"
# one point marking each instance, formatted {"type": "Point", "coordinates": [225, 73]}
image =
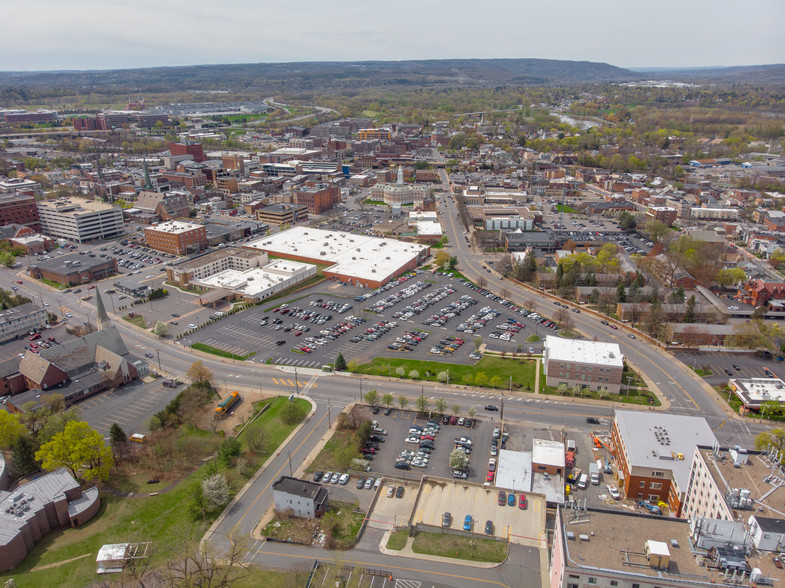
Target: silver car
{"type": "Point", "coordinates": [335, 478]}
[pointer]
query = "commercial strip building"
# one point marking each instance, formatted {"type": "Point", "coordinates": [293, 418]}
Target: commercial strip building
{"type": "Point", "coordinates": [353, 259]}
{"type": "Point", "coordinates": [754, 393]}
{"type": "Point", "coordinates": [176, 237]}
{"type": "Point", "coordinates": [19, 320]}
{"type": "Point", "coordinates": [50, 501]}
{"type": "Point", "coordinates": [257, 284]}
{"type": "Point", "coordinates": [73, 269]}
{"type": "Point", "coordinates": [607, 548]}
{"type": "Point", "coordinates": [214, 262]}
{"type": "Point", "coordinates": [80, 220]}
{"type": "Point", "coordinates": [588, 364]}
{"type": "Point", "coordinates": [653, 454]}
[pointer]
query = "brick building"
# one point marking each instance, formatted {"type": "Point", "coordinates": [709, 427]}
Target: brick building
{"type": "Point", "coordinates": [588, 364]}
{"type": "Point", "coordinates": [665, 214]}
{"type": "Point", "coordinates": [759, 293]}
{"type": "Point", "coordinates": [73, 269]}
{"type": "Point", "coordinates": [318, 197]}
{"type": "Point", "coordinates": [281, 213]}
{"type": "Point", "coordinates": [19, 209]}
{"type": "Point", "coordinates": [177, 238]}
{"type": "Point", "coordinates": [188, 148]}
{"type": "Point", "coordinates": [654, 454]}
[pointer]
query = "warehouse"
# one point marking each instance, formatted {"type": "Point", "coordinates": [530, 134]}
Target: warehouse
{"type": "Point", "coordinates": [353, 259]}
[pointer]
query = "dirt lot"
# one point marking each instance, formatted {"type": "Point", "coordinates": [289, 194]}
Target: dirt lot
{"type": "Point", "coordinates": [520, 526]}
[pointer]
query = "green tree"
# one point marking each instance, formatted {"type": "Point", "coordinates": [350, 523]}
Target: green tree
{"type": "Point", "coordinates": [689, 315]}
{"type": "Point", "coordinates": [627, 221]}
{"type": "Point", "coordinates": [422, 403]}
{"type": "Point", "coordinates": [340, 363]}
{"type": "Point", "coordinates": [229, 449]}
{"type": "Point", "coordinates": [371, 397]}
{"type": "Point", "coordinates": [759, 313]}
{"type": "Point", "coordinates": [80, 449]}
{"type": "Point", "coordinates": [677, 296]}
{"type": "Point", "coordinates": [774, 438]}
{"type": "Point", "coordinates": [403, 401]}
{"type": "Point", "coordinates": [621, 293]}
{"type": "Point", "coordinates": [477, 342]}
{"type": "Point", "coordinates": [10, 429]}
{"type": "Point", "coordinates": [729, 277]}
{"type": "Point", "coordinates": [472, 412]}
{"type": "Point", "coordinates": [455, 409]}
{"type": "Point", "coordinates": [442, 376]}
{"type": "Point", "coordinates": [458, 459]}
{"type": "Point", "coordinates": [480, 379]}
{"type": "Point", "coordinates": [387, 399]}
{"type": "Point", "coordinates": [656, 230]}
{"type": "Point", "coordinates": [495, 382]}
{"type": "Point", "coordinates": [440, 405]}
{"type": "Point", "coordinates": [414, 375]}
{"type": "Point", "coordinates": [442, 259]}
{"type": "Point", "coordinates": [400, 371]}
{"type": "Point", "coordinates": [292, 413]}
{"type": "Point", "coordinates": [24, 457]}
{"type": "Point", "coordinates": [160, 329]}
{"type": "Point", "coordinates": [6, 259]}
{"type": "Point", "coordinates": [199, 373]}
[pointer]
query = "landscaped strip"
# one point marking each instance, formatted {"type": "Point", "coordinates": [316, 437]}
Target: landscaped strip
{"type": "Point", "coordinates": [459, 547]}
{"type": "Point", "coordinates": [220, 352]}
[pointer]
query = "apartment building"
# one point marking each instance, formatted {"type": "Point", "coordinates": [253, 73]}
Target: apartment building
{"type": "Point", "coordinates": [19, 209]}
{"type": "Point", "coordinates": [653, 454]}
{"type": "Point", "coordinates": [80, 220]}
{"type": "Point", "coordinates": [177, 238]}
{"type": "Point", "coordinates": [318, 198]}
{"type": "Point", "coordinates": [380, 134]}
{"type": "Point", "coordinates": [588, 364]}
{"type": "Point", "coordinates": [18, 320]}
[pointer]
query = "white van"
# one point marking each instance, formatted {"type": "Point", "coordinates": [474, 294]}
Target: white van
{"type": "Point", "coordinates": [583, 481]}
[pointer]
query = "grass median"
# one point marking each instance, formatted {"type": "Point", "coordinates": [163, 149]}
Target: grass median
{"type": "Point", "coordinates": [220, 352]}
{"type": "Point", "coordinates": [397, 540]}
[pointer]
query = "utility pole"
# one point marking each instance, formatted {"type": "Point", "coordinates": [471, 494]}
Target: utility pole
{"type": "Point", "coordinates": [158, 351]}
{"type": "Point", "coordinates": [296, 383]}
{"type": "Point", "coordinates": [328, 413]}
{"type": "Point", "coordinates": [290, 463]}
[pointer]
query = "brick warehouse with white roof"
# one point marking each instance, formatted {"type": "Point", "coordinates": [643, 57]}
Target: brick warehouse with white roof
{"type": "Point", "coordinates": [589, 364]}
{"type": "Point", "coordinates": [353, 259]}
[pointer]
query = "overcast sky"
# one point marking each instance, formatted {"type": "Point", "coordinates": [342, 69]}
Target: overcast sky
{"type": "Point", "coordinates": [106, 34]}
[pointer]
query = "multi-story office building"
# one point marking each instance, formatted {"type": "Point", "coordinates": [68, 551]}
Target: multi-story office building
{"type": "Point", "coordinates": [318, 197]}
{"type": "Point", "coordinates": [18, 320]}
{"type": "Point", "coordinates": [588, 364]}
{"type": "Point", "coordinates": [188, 148]}
{"type": "Point", "coordinates": [77, 219]}
{"type": "Point", "coordinates": [176, 237]}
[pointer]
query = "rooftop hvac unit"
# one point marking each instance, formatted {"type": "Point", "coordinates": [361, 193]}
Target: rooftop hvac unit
{"type": "Point", "coordinates": [583, 537]}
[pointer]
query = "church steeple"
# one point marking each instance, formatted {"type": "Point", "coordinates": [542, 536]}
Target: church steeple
{"type": "Point", "coordinates": [102, 319]}
{"type": "Point", "coordinates": [148, 184]}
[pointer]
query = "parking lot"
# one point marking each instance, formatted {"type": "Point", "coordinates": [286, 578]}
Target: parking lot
{"type": "Point", "coordinates": [398, 424]}
{"type": "Point", "coordinates": [724, 366]}
{"type": "Point", "coordinates": [459, 499]}
{"type": "Point", "coordinates": [422, 315]}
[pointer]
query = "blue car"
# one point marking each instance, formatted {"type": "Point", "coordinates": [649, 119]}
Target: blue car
{"type": "Point", "coordinates": [467, 523]}
{"type": "Point", "coordinates": [511, 499]}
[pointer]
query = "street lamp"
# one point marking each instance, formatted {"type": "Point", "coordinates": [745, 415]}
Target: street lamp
{"type": "Point", "coordinates": [628, 386]}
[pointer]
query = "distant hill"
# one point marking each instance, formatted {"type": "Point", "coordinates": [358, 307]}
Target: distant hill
{"type": "Point", "coordinates": [277, 77]}
{"type": "Point", "coordinates": [743, 74]}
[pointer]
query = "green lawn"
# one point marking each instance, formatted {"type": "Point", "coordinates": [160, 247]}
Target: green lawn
{"type": "Point", "coordinates": [220, 352]}
{"type": "Point", "coordinates": [137, 320]}
{"type": "Point", "coordinates": [275, 430]}
{"type": "Point", "coordinates": [702, 372]}
{"type": "Point", "coordinates": [167, 520]}
{"type": "Point", "coordinates": [335, 453]}
{"type": "Point", "coordinates": [345, 520]}
{"type": "Point", "coordinates": [566, 208]}
{"type": "Point", "coordinates": [489, 372]}
{"type": "Point", "coordinates": [397, 540]}
{"type": "Point", "coordinates": [474, 549]}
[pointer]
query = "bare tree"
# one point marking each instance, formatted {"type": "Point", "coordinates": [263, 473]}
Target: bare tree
{"type": "Point", "coordinates": [482, 282]}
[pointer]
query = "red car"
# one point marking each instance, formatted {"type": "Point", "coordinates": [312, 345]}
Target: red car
{"type": "Point", "coordinates": [91, 287]}
{"type": "Point", "coordinates": [522, 502]}
{"type": "Point", "coordinates": [35, 337]}
{"type": "Point", "coordinates": [489, 477]}
{"type": "Point", "coordinates": [613, 327]}
{"type": "Point", "coordinates": [19, 282]}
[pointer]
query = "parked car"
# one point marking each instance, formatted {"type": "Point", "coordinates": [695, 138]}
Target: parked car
{"type": "Point", "coordinates": [502, 498]}
{"type": "Point", "coordinates": [335, 478]}
{"type": "Point", "coordinates": [317, 475]}
{"type": "Point", "coordinates": [614, 492]}
{"type": "Point", "coordinates": [522, 502]}
{"type": "Point", "coordinates": [467, 523]}
{"type": "Point", "coordinates": [360, 484]}
{"type": "Point", "coordinates": [399, 492]}
{"type": "Point", "coordinates": [446, 519]}
{"type": "Point", "coordinates": [489, 527]}
{"type": "Point", "coordinates": [511, 499]}
{"type": "Point", "coordinates": [390, 491]}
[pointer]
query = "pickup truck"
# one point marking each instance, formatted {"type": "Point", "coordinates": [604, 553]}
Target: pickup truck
{"type": "Point", "coordinates": [652, 508]}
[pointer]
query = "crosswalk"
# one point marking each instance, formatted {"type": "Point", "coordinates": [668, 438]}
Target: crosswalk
{"type": "Point", "coordinates": [296, 362]}
{"type": "Point", "coordinates": [292, 383]}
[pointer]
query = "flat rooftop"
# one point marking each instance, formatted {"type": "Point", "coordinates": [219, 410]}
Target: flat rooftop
{"type": "Point", "coordinates": [255, 281]}
{"type": "Point", "coordinates": [654, 441]}
{"type": "Point", "coordinates": [58, 263]}
{"type": "Point", "coordinates": [353, 255]}
{"type": "Point", "coordinates": [617, 541]}
{"type": "Point", "coordinates": [173, 227]}
{"type": "Point", "coordinates": [768, 496]}
{"type": "Point", "coordinates": [756, 391]}
{"type": "Point", "coordinates": [547, 452]}
{"type": "Point", "coordinates": [75, 206]}
{"type": "Point", "coordinates": [514, 470]}
{"type": "Point", "coordinates": [579, 351]}
{"type": "Point", "coordinates": [216, 256]}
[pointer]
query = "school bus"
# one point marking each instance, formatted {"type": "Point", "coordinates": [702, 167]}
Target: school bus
{"type": "Point", "coordinates": [227, 403]}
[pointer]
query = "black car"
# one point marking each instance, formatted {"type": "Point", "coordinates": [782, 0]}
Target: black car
{"type": "Point", "coordinates": [468, 423]}
{"type": "Point", "coordinates": [317, 475]}
{"type": "Point", "coordinates": [402, 465]}
{"type": "Point", "coordinates": [376, 410]}
{"type": "Point", "coordinates": [280, 342]}
{"type": "Point", "coordinates": [388, 412]}
{"type": "Point", "coordinates": [592, 421]}
{"type": "Point", "coordinates": [489, 527]}
{"type": "Point", "coordinates": [399, 492]}
{"type": "Point", "coordinates": [445, 420]}
{"type": "Point", "coordinates": [491, 407]}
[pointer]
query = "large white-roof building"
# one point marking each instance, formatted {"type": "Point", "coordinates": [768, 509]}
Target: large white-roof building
{"type": "Point", "coordinates": [256, 284]}
{"type": "Point", "coordinates": [755, 392]}
{"type": "Point", "coordinates": [587, 364]}
{"type": "Point", "coordinates": [353, 259]}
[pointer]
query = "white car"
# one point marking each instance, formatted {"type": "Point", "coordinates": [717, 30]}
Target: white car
{"type": "Point", "coordinates": [614, 492]}
{"type": "Point", "coordinates": [390, 491]}
{"type": "Point", "coordinates": [412, 440]}
{"type": "Point", "coordinates": [344, 479]}
{"type": "Point", "coordinates": [191, 326]}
